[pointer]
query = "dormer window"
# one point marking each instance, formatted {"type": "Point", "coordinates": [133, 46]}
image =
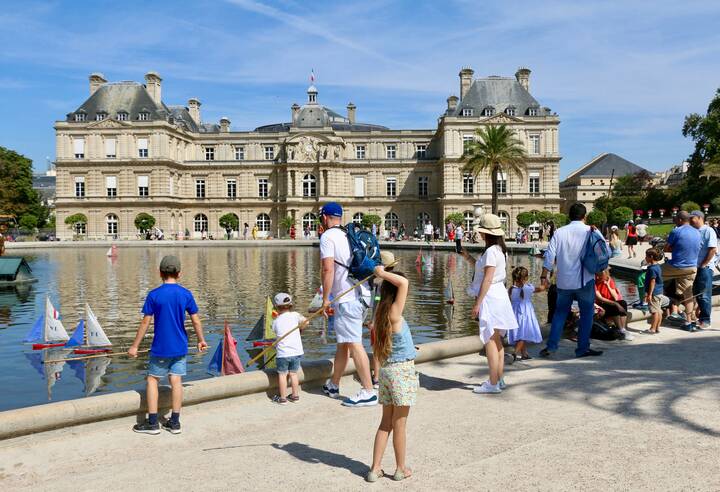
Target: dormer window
{"type": "Point", "coordinates": [144, 116]}
{"type": "Point", "coordinates": [79, 117]}
{"type": "Point", "coordinates": [100, 116]}
{"type": "Point", "coordinates": [467, 112]}
{"type": "Point", "coordinates": [510, 111]}
{"type": "Point", "coordinates": [488, 111]}
{"type": "Point", "coordinates": [122, 116]}
{"type": "Point", "coordinates": [532, 111]}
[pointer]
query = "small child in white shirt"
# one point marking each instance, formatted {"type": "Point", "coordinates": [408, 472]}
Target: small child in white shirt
{"type": "Point", "coordinates": [289, 349]}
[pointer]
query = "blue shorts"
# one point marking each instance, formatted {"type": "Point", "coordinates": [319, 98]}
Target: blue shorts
{"type": "Point", "coordinates": [159, 367]}
{"type": "Point", "coordinates": [288, 364]}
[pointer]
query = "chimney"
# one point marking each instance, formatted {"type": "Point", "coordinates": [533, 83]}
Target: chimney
{"type": "Point", "coordinates": [466, 78]}
{"type": "Point", "coordinates": [294, 110]}
{"type": "Point", "coordinates": [351, 112]}
{"type": "Point", "coordinates": [97, 80]}
{"type": "Point", "coordinates": [153, 84]}
{"type": "Point", "coordinates": [194, 109]}
{"type": "Point", "coordinates": [224, 124]}
{"type": "Point", "coordinates": [523, 77]}
{"type": "Point", "coordinates": [452, 103]}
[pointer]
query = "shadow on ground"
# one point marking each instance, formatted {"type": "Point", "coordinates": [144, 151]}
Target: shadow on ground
{"type": "Point", "coordinates": [309, 454]}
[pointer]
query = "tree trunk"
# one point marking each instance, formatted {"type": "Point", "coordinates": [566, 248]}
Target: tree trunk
{"type": "Point", "coordinates": [494, 200]}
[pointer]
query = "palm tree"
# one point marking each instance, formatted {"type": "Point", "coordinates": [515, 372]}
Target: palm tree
{"type": "Point", "coordinates": [495, 150]}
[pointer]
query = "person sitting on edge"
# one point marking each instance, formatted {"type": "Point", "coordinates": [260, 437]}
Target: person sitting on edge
{"type": "Point", "coordinates": [335, 257]}
{"type": "Point", "coordinates": [574, 282]}
{"type": "Point", "coordinates": [654, 289]}
{"type": "Point", "coordinates": [702, 286]}
{"type": "Point", "coordinates": [166, 307]}
{"type": "Point", "coordinates": [289, 349]}
{"type": "Point", "coordinates": [684, 242]}
{"type": "Point", "coordinates": [608, 297]}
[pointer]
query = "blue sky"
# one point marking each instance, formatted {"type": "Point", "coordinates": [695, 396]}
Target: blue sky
{"type": "Point", "coordinates": [621, 75]}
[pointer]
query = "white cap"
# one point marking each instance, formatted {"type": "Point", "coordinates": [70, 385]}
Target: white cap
{"type": "Point", "coordinates": [282, 299]}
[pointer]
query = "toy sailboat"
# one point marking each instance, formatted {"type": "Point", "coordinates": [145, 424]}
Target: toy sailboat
{"type": "Point", "coordinates": [90, 339]}
{"type": "Point", "coordinates": [112, 251]}
{"type": "Point", "coordinates": [419, 260]}
{"type": "Point", "coordinates": [262, 334]}
{"type": "Point", "coordinates": [449, 293]}
{"type": "Point", "coordinates": [48, 331]}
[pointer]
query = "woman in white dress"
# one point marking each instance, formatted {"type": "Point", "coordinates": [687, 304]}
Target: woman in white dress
{"type": "Point", "coordinates": [492, 304]}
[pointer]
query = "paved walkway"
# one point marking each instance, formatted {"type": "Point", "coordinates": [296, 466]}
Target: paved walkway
{"type": "Point", "coordinates": [642, 417]}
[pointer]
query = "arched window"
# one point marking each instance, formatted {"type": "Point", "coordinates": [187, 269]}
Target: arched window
{"type": "Point", "coordinates": [391, 220]}
{"type": "Point", "coordinates": [422, 218]}
{"type": "Point", "coordinates": [358, 217]}
{"type": "Point", "coordinates": [200, 223]}
{"type": "Point", "coordinates": [111, 222]}
{"type": "Point", "coordinates": [263, 222]}
{"type": "Point", "coordinates": [309, 185]}
{"type": "Point", "coordinates": [504, 220]}
{"type": "Point", "coordinates": [468, 220]}
{"type": "Point", "coordinates": [309, 220]}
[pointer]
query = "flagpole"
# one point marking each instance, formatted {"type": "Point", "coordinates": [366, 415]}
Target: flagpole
{"type": "Point", "coordinates": [222, 350]}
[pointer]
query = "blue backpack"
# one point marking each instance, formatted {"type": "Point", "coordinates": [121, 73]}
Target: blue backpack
{"type": "Point", "coordinates": [596, 255]}
{"type": "Point", "coordinates": [364, 252]}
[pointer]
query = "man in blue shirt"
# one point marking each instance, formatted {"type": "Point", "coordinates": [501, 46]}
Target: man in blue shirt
{"type": "Point", "coordinates": [702, 287]}
{"type": "Point", "coordinates": [684, 243]}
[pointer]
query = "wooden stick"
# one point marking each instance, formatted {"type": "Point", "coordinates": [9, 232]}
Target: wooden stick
{"type": "Point", "coordinates": [311, 317]}
{"type": "Point", "coordinates": [105, 354]}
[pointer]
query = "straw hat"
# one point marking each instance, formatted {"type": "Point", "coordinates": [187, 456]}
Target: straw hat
{"type": "Point", "coordinates": [387, 258]}
{"type": "Point", "coordinates": [491, 225]}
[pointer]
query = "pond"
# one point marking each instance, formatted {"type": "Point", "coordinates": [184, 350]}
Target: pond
{"type": "Point", "coordinates": [229, 283]}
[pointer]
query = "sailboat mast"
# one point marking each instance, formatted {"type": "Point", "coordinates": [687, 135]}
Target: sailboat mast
{"type": "Point", "coordinates": [85, 328]}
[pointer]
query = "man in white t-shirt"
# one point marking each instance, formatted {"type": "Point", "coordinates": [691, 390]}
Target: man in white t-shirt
{"type": "Point", "coordinates": [428, 231]}
{"type": "Point", "coordinates": [459, 232]}
{"type": "Point", "coordinates": [641, 230]}
{"type": "Point", "coordinates": [335, 256]}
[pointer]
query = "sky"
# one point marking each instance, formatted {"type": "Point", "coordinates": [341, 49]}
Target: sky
{"type": "Point", "coordinates": [621, 75]}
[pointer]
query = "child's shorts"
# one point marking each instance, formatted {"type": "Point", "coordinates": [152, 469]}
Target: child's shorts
{"type": "Point", "coordinates": [398, 384]}
{"type": "Point", "coordinates": [288, 364]}
{"type": "Point", "coordinates": [159, 367]}
{"type": "Point", "coordinates": [657, 303]}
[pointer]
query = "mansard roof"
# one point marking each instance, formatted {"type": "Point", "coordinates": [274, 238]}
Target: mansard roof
{"type": "Point", "coordinates": [604, 165]}
{"type": "Point", "coordinates": [116, 97]}
{"type": "Point", "coordinates": [498, 93]}
{"type": "Point", "coordinates": [319, 116]}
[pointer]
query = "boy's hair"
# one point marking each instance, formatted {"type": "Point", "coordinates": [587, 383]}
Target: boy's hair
{"type": "Point", "coordinates": [519, 275]}
{"type": "Point", "coordinates": [654, 254]}
{"type": "Point", "coordinates": [382, 344]}
{"type": "Point", "coordinates": [167, 275]}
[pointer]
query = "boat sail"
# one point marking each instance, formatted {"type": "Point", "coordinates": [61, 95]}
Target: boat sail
{"type": "Point", "coordinates": [449, 293]}
{"type": "Point", "coordinates": [262, 335]}
{"type": "Point", "coordinates": [48, 331]}
{"type": "Point", "coordinates": [90, 372]}
{"type": "Point", "coordinates": [89, 336]}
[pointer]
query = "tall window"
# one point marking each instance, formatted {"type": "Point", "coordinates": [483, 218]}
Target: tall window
{"type": "Point", "coordinates": [468, 184]}
{"type": "Point", "coordinates": [504, 220]}
{"type": "Point", "coordinates": [422, 218]}
{"type": "Point", "coordinates": [360, 152]}
{"type": "Point", "coordinates": [467, 140]}
{"type": "Point", "coordinates": [79, 117]}
{"type": "Point", "coordinates": [423, 186]}
{"type": "Point", "coordinates": [143, 186]}
{"type": "Point", "coordinates": [142, 147]}
{"type": "Point", "coordinates": [534, 183]}
{"type": "Point", "coordinates": [468, 220]}
{"type": "Point", "coordinates": [391, 220]}
{"type": "Point", "coordinates": [200, 223]}
{"type": "Point", "coordinates": [391, 186]}
{"type": "Point", "coordinates": [122, 116]}
{"type": "Point", "coordinates": [209, 153]}
{"type": "Point", "coordinates": [263, 222]}
{"type": "Point", "coordinates": [79, 186]}
{"type": "Point", "coordinates": [421, 151]}
{"type": "Point", "coordinates": [467, 112]}
{"type": "Point", "coordinates": [309, 220]}
{"type": "Point", "coordinates": [231, 188]}
{"type": "Point", "coordinates": [269, 152]}
{"type": "Point", "coordinates": [309, 185]}
{"type": "Point", "coordinates": [263, 188]}
{"type": "Point", "coordinates": [534, 139]}
{"type": "Point", "coordinates": [200, 188]}
{"type": "Point", "coordinates": [239, 153]}
{"type": "Point", "coordinates": [359, 186]}
{"type": "Point", "coordinates": [111, 186]}
{"type": "Point", "coordinates": [79, 148]}
{"type": "Point", "coordinates": [358, 217]}
{"type": "Point", "coordinates": [391, 151]}
{"type": "Point", "coordinates": [110, 148]}
{"type": "Point", "coordinates": [111, 223]}
{"type": "Point", "coordinates": [144, 116]}
{"type": "Point", "coordinates": [501, 183]}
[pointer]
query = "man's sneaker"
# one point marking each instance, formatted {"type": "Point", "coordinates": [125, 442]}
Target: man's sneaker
{"type": "Point", "coordinates": [545, 353]}
{"type": "Point", "coordinates": [330, 389]}
{"type": "Point", "coordinates": [676, 317]}
{"type": "Point", "coordinates": [501, 384]}
{"type": "Point", "coordinates": [487, 388]}
{"type": "Point", "coordinates": [702, 325]}
{"type": "Point", "coordinates": [364, 398]}
{"type": "Point", "coordinates": [172, 427]}
{"type": "Point", "coordinates": [591, 353]}
{"type": "Point", "coordinates": [147, 428]}
{"type": "Point", "coordinates": [627, 335]}
{"type": "Point", "coordinates": [689, 327]}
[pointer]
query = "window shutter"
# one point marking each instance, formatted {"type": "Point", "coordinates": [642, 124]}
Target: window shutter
{"type": "Point", "coordinates": [79, 145]}
{"type": "Point", "coordinates": [359, 186]}
{"type": "Point", "coordinates": [110, 181]}
{"type": "Point", "coordinates": [110, 145]}
{"type": "Point", "coordinates": [143, 181]}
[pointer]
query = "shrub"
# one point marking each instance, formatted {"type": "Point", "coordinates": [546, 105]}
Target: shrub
{"type": "Point", "coordinates": [524, 219]}
{"type": "Point", "coordinates": [369, 219]}
{"type": "Point", "coordinates": [689, 206]}
{"type": "Point", "coordinates": [28, 222]}
{"type": "Point", "coordinates": [455, 218]}
{"type": "Point", "coordinates": [560, 219]}
{"type": "Point", "coordinates": [144, 222]}
{"type": "Point", "coordinates": [229, 221]}
{"type": "Point", "coordinates": [620, 216]}
{"type": "Point", "coordinates": [596, 218]}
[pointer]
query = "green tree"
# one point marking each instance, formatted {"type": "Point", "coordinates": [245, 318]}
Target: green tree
{"type": "Point", "coordinates": [75, 221]}
{"type": "Point", "coordinates": [28, 222]}
{"type": "Point", "coordinates": [620, 215]}
{"type": "Point", "coordinates": [456, 218]}
{"type": "Point", "coordinates": [560, 219]}
{"type": "Point", "coordinates": [286, 223]}
{"type": "Point", "coordinates": [229, 221]}
{"type": "Point", "coordinates": [51, 222]}
{"type": "Point", "coordinates": [495, 150]}
{"type": "Point", "coordinates": [17, 196]}
{"type": "Point", "coordinates": [144, 222]}
{"type": "Point", "coordinates": [543, 216]}
{"type": "Point", "coordinates": [524, 219]}
{"type": "Point", "coordinates": [369, 219]}
{"type": "Point", "coordinates": [596, 218]}
{"type": "Point", "coordinates": [715, 205]}
{"type": "Point", "coordinates": [689, 206]}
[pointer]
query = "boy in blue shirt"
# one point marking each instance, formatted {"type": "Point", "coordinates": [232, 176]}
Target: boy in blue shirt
{"type": "Point", "coordinates": [167, 305]}
{"type": "Point", "coordinates": [654, 289]}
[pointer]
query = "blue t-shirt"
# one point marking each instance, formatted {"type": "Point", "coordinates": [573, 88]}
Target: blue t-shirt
{"type": "Point", "coordinates": [168, 305]}
{"type": "Point", "coordinates": [708, 239]}
{"type": "Point", "coordinates": [654, 272]}
{"type": "Point", "coordinates": [685, 242]}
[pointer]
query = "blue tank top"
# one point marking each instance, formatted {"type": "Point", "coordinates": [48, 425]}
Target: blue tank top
{"type": "Point", "coordinates": [403, 347]}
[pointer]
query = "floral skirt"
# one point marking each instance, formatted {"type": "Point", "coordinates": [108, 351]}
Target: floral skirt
{"type": "Point", "coordinates": [398, 384]}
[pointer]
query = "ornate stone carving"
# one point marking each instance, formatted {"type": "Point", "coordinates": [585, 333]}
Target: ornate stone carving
{"type": "Point", "coordinates": [307, 149]}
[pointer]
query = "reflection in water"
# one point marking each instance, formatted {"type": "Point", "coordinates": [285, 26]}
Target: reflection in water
{"type": "Point", "coordinates": [228, 284]}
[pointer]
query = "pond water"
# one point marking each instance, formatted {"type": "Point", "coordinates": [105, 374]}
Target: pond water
{"type": "Point", "coordinates": [228, 283]}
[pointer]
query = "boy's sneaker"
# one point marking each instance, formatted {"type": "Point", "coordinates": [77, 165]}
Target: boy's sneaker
{"type": "Point", "coordinates": [501, 384]}
{"type": "Point", "coordinates": [147, 428]}
{"type": "Point", "coordinates": [676, 317]}
{"type": "Point", "coordinates": [172, 427]}
{"type": "Point", "coordinates": [487, 388]}
{"type": "Point", "coordinates": [331, 389]}
{"type": "Point", "coordinates": [279, 400]}
{"type": "Point", "coordinates": [627, 335]}
{"type": "Point", "coordinates": [364, 398]}
{"type": "Point", "coordinates": [689, 327]}
{"type": "Point", "coordinates": [376, 384]}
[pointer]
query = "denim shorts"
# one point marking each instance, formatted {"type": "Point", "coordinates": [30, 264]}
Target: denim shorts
{"type": "Point", "coordinates": [288, 364]}
{"type": "Point", "coordinates": [160, 367]}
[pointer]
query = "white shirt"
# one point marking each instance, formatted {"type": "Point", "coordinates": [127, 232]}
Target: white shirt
{"type": "Point", "coordinates": [566, 248]}
{"type": "Point", "coordinates": [291, 345]}
{"type": "Point", "coordinates": [428, 228]}
{"type": "Point", "coordinates": [459, 232]}
{"type": "Point", "coordinates": [493, 256]}
{"type": "Point", "coordinates": [334, 244]}
{"type": "Point", "coordinates": [641, 230]}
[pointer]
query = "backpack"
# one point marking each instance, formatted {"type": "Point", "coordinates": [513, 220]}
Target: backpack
{"type": "Point", "coordinates": [596, 255]}
{"type": "Point", "coordinates": [601, 331]}
{"type": "Point", "coordinates": [364, 251]}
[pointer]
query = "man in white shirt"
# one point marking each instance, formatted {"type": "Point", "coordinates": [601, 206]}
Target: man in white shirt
{"type": "Point", "coordinates": [702, 285]}
{"type": "Point", "coordinates": [458, 238]}
{"type": "Point", "coordinates": [641, 230]}
{"type": "Point", "coordinates": [335, 258]}
{"type": "Point", "coordinates": [428, 231]}
{"type": "Point", "coordinates": [574, 282]}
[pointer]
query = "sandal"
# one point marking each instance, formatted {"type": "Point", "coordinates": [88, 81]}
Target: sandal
{"type": "Point", "coordinates": [279, 400]}
{"type": "Point", "coordinates": [293, 399]}
{"type": "Point", "coordinates": [374, 477]}
{"type": "Point", "coordinates": [649, 332]}
{"type": "Point", "coordinates": [400, 475]}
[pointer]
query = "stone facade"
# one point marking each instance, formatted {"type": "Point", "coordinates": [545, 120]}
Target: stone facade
{"type": "Point", "coordinates": [124, 152]}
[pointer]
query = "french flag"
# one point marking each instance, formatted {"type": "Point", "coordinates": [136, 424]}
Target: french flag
{"type": "Point", "coordinates": [312, 76]}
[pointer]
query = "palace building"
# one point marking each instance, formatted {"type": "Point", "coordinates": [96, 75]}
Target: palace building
{"type": "Point", "coordinates": [124, 151]}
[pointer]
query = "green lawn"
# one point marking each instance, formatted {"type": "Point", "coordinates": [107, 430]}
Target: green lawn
{"type": "Point", "coordinates": [660, 229]}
